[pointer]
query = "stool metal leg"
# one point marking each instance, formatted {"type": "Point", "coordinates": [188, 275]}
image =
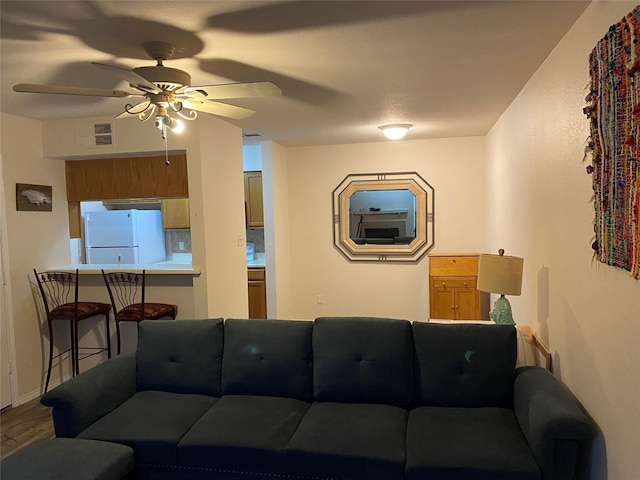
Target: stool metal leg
{"type": "Point", "coordinates": [75, 349]}
{"type": "Point", "coordinates": [118, 335]}
{"type": "Point", "coordinates": [46, 383]}
{"type": "Point", "coordinates": [106, 319]}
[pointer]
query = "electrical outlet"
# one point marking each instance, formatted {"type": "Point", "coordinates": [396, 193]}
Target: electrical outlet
{"type": "Point", "coordinates": [181, 246]}
{"type": "Point", "coordinates": [319, 299]}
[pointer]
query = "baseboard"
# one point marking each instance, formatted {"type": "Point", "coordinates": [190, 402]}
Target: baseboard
{"type": "Point", "coordinates": [38, 393]}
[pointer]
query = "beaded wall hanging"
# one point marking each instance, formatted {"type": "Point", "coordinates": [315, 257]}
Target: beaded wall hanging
{"type": "Point", "coordinates": [614, 112]}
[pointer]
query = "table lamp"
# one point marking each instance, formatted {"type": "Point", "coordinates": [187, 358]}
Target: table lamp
{"type": "Point", "coordinates": [500, 274]}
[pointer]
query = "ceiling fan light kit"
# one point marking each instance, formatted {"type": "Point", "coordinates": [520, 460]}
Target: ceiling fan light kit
{"type": "Point", "coordinates": [395, 131]}
{"type": "Point", "coordinates": [166, 90]}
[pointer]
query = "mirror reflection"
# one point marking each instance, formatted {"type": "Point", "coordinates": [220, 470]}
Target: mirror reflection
{"type": "Point", "coordinates": [382, 217]}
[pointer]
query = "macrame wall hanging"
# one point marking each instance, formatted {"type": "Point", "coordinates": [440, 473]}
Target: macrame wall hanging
{"type": "Point", "coordinates": [614, 111]}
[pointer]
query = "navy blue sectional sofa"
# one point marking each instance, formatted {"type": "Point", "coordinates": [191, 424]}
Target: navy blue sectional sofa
{"type": "Point", "coordinates": [333, 399]}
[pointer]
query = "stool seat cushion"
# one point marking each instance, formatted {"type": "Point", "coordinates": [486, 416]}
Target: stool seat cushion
{"type": "Point", "coordinates": [152, 311]}
{"type": "Point", "coordinates": [85, 310]}
{"type": "Point", "coordinates": [69, 459]}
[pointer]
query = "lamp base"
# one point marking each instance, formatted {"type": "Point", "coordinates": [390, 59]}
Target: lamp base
{"type": "Point", "coordinates": [501, 313]}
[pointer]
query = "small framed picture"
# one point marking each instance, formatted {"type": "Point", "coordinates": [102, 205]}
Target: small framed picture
{"type": "Point", "coordinates": [33, 198]}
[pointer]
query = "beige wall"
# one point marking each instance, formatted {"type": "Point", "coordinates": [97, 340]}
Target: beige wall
{"type": "Point", "coordinates": [36, 239]}
{"type": "Point", "coordinates": [454, 167]}
{"type": "Point", "coordinates": [221, 244]}
{"type": "Point", "coordinates": [523, 188]}
{"type": "Point", "coordinates": [540, 208]}
{"type": "Point", "coordinates": [275, 180]}
{"type": "Point", "coordinates": [216, 191]}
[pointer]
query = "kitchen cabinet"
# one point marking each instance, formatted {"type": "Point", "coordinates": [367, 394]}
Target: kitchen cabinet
{"type": "Point", "coordinates": [175, 213]}
{"type": "Point", "coordinates": [257, 293]}
{"type": "Point", "coordinates": [452, 288]}
{"type": "Point", "coordinates": [253, 199]}
{"type": "Point", "coordinates": [75, 220]}
{"type": "Point", "coordinates": [127, 177]}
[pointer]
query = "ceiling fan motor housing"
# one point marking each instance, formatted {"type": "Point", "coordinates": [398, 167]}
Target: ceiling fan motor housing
{"type": "Point", "coordinates": [165, 78]}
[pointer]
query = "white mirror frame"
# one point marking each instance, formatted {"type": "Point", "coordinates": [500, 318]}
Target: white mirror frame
{"type": "Point", "coordinates": [425, 226]}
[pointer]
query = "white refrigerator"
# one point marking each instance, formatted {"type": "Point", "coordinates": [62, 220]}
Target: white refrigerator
{"type": "Point", "coordinates": [124, 237]}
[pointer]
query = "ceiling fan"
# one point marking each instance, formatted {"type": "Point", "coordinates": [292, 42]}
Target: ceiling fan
{"type": "Point", "coordinates": [166, 90]}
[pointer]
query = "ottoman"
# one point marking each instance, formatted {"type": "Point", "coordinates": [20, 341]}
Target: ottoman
{"type": "Point", "coordinates": [68, 459]}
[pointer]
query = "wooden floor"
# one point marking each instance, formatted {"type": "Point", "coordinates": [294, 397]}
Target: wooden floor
{"type": "Point", "coordinates": [23, 425]}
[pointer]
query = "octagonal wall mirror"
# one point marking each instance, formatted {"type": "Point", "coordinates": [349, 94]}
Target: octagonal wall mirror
{"type": "Point", "coordinates": [384, 217]}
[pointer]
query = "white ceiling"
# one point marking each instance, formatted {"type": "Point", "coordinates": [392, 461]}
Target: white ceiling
{"type": "Point", "coordinates": [450, 68]}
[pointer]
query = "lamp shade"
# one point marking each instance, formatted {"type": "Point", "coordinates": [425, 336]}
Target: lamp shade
{"type": "Point", "coordinates": [500, 274]}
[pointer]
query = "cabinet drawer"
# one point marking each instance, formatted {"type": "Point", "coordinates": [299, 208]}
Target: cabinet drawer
{"type": "Point", "coordinates": [453, 265]}
{"type": "Point", "coordinates": [453, 282]}
{"type": "Point", "coordinates": [256, 274]}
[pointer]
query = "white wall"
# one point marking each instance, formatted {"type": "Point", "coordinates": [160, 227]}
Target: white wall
{"type": "Point", "coordinates": [454, 167]}
{"type": "Point", "coordinates": [540, 208]}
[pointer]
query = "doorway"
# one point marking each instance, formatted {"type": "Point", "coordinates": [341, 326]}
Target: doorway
{"type": "Point", "coordinates": [5, 364]}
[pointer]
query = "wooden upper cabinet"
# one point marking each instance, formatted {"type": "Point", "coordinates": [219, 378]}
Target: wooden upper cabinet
{"type": "Point", "coordinates": [128, 177]}
{"type": "Point", "coordinates": [253, 199]}
{"type": "Point", "coordinates": [175, 213]}
{"type": "Point", "coordinates": [75, 220]}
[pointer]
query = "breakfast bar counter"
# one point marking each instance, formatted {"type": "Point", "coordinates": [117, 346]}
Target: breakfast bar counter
{"type": "Point", "coordinates": [166, 282]}
{"type": "Point", "coordinates": [163, 268]}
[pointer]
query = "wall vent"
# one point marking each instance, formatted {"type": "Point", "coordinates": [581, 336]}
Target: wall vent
{"type": "Point", "coordinates": [94, 134]}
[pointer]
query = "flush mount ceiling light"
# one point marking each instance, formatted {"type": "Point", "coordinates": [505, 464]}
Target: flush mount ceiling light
{"type": "Point", "coordinates": [395, 131]}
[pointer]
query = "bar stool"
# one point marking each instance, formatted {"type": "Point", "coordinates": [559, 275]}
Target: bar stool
{"type": "Point", "coordinates": [59, 292]}
{"type": "Point", "coordinates": [127, 294]}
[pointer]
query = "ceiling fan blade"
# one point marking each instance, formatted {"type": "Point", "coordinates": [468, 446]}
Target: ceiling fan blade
{"type": "Point", "coordinates": [217, 108]}
{"type": "Point", "coordinates": [235, 90]}
{"type": "Point", "coordinates": [133, 110]}
{"type": "Point", "coordinates": [64, 90]}
{"type": "Point", "coordinates": [130, 76]}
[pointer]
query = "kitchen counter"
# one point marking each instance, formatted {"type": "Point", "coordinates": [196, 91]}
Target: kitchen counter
{"type": "Point", "coordinates": [258, 261]}
{"type": "Point", "coordinates": [164, 268]}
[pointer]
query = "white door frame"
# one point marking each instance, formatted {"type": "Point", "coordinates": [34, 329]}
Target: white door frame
{"type": "Point", "coordinates": [6, 305]}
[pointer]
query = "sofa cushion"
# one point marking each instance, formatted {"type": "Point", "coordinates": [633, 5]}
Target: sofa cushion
{"type": "Point", "coordinates": [349, 441]}
{"type": "Point", "coordinates": [267, 357]}
{"type": "Point", "coordinates": [151, 423]}
{"type": "Point", "coordinates": [362, 360]}
{"type": "Point", "coordinates": [242, 433]}
{"type": "Point", "coordinates": [68, 459]}
{"type": "Point", "coordinates": [180, 356]}
{"type": "Point", "coordinates": [464, 365]}
{"type": "Point", "coordinates": [463, 443]}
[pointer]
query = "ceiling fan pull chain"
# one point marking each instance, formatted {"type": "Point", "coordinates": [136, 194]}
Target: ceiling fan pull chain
{"type": "Point", "coordinates": [166, 148]}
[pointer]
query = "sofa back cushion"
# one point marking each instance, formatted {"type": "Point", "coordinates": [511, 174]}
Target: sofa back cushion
{"type": "Point", "coordinates": [267, 357]}
{"type": "Point", "coordinates": [464, 365]}
{"type": "Point", "coordinates": [180, 356]}
{"type": "Point", "coordinates": [362, 360]}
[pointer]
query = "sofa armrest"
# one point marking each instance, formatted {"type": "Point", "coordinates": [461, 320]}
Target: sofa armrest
{"type": "Point", "coordinates": [559, 433]}
{"type": "Point", "coordinates": [82, 400]}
